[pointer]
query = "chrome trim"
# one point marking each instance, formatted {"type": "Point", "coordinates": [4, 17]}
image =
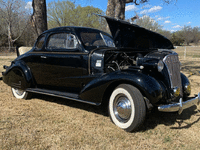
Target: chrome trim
{"type": "Point", "coordinates": [65, 97]}
{"type": "Point", "coordinates": [180, 106]}
{"type": "Point", "coordinates": [172, 64]}
{"type": "Point", "coordinates": [122, 108]}
{"type": "Point", "coordinates": [54, 52]}
{"type": "Point", "coordinates": [43, 57]}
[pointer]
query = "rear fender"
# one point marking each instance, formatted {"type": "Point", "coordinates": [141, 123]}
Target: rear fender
{"type": "Point", "coordinates": [18, 75]}
{"type": "Point", "coordinates": [95, 90]}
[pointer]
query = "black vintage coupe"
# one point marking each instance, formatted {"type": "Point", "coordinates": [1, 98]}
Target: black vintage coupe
{"type": "Point", "coordinates": [132, 71]}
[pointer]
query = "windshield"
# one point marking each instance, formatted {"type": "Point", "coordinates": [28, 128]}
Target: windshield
{"type": "Point", "coordinates": [96, 39]}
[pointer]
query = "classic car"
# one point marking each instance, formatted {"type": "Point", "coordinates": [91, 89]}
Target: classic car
{"type": "Point", "coordinates": [131, 71]}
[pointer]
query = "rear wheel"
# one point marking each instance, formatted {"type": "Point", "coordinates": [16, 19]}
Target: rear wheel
{"type": "Point", "coordinates": [127, 107]}
{"type": "Point", "coordinates": [20, 94]}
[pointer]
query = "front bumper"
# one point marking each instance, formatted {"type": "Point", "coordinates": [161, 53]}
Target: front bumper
{"type": "Point", "coordinates": [180, 106]}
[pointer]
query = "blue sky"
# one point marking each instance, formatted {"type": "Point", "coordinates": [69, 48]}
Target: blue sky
{"type": "Point", "coordinates": [171, 16]}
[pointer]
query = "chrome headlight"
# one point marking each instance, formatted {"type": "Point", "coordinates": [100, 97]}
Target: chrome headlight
{"type": "Point", "coordinates": [160, 65]}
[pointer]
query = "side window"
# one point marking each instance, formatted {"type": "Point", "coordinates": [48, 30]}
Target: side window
{"type": "Point", "coordinates": [63, 41]}
{"type": "Point", "coordinates": [40, 42]}
{"type": "Point", "coordinates": [92, 39]}
{"type": "Point", "coordinates": [109, 41]}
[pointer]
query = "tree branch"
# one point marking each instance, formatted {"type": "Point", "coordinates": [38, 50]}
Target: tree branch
{"type": "Point", "coordinates": [22, 30]}
{"type": "Point", "coordinates": [140, 1]}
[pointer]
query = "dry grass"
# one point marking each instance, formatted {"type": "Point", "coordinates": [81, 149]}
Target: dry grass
{"type": "Point", "coordinates": [46, 122]}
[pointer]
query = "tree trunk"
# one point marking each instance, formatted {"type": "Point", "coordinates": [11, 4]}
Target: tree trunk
{"type": "Point", "coordinates": [9, 36]}
{"type": "Point", "coordinates": [110, 8]}
{"type": "Point", "coordinates": [116, 8]}
{"type": "Point", "coordinates": [39, 17]}
{"type": "Point", "coordinates": [120, 9]}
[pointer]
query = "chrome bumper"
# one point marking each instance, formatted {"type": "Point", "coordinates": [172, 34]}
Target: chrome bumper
{"type": "Point", "coordinates": [180, 106]}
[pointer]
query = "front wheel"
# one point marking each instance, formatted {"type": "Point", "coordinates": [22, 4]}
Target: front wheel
{"type": "Point", "coordinates": [20, 94]}
{"type": "Point", "coordinates": [127, 108]}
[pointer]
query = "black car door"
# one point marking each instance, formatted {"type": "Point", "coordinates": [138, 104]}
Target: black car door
{"type": "Point", "coordinates": [33, 59]}
{"type": "Point", "coordinates": [64, 65]}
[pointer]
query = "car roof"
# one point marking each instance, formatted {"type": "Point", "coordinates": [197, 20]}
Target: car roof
{"type": "Point", "coordinates": [71, 28]}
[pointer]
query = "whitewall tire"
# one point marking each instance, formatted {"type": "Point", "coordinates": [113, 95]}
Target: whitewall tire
{"type": "Point", "coordinates": [127, 107]}
{"type": "Point", "coordinates": [20, 94]}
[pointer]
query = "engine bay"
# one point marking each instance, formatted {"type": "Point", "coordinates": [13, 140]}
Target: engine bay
{"type": "Point", "coordinates": [118, 60]}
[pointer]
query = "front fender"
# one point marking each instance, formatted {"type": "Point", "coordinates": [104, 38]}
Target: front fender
{"type": "Point", "coordinates": [18, 75]}
{"type": "Point", "coordinates": [94, 91]}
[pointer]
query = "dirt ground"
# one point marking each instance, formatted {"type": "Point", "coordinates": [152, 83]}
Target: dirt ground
{"type": "Point", "coordinates": [46, 122]}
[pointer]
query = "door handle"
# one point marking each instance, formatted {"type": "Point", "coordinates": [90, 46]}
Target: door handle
{"type": "Point", "coordinates": [43, 57]}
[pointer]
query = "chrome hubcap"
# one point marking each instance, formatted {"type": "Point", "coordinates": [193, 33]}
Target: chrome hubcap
{"type": "Point", "coordinates": [19, 92]}
{"type": "Point", "coordinates": [122, 108]}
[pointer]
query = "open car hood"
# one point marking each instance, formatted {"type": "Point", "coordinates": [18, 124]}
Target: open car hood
{"type": "Point", "coordinates": [130, 35]}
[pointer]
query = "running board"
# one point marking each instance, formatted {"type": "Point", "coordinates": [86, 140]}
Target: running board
{"type": "Point", "coordinates": [65, 95]}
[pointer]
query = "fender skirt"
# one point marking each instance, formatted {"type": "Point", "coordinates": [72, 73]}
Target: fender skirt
{"type": "Point", "coordinates": [18, 76]}
{"type": "Point", "coordinates": [150, 88]}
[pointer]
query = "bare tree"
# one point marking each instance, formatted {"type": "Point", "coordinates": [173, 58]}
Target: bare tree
{"type": "Point", "coordinates": [12, 14]}
{"type": "Point", "coordinates": [39, 17]}
{"type": "Point", "coordinates": [196, 35]}
{"type": "Point", "coordinates": [187, 34]}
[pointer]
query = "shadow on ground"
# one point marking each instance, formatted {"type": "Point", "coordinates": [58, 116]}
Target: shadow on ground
{"type": "Point", "coordinates": [90, 108]}
{"type": "Point", "coordinates": [168, 119]}
{"type": "Point", "coordinates": [153, 119]}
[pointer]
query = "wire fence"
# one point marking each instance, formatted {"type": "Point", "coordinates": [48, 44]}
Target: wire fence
{"type": "Point", "coordinates": [185, 52]}
{"type": "Point", "coordinates": [188, 52]}
{"type": "Point", "coordinates": [5, 51]}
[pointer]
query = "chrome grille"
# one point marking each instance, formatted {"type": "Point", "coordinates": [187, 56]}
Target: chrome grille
{"type": "Point", "coordinates": [173, 66]}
